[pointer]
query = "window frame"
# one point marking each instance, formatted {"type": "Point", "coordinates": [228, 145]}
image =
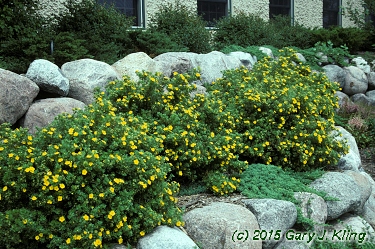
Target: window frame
{"type": "Point", "coordinates": [290, 7]}
{"type": "Point", "coordinates": [227, 10]}
{"type": "Point", "coordinates": [338, 14]}
{"type": "Point", "coordinates": [139, 9]}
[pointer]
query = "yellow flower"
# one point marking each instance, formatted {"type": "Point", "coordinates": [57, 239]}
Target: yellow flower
{"type": "Point", "coordinates": [5, 188]}
{"type": "Point", "coordinates": [34, 198]}
{"type": "Point", "coordinates": [10, 155]}
{"type": "Point", "coordinates": [59, 198]}
{"type": "Point", "coordinates": [86, 217]}
{"type": "Point", "coordinates": [97, 242]}
{"type": "Point", "coordinates": [142, 233]}
{"type": "Point", "coordinates": [136, 162]}
{"type": "Point", "coordinates": [37, 237]}
{"type": "Point", "coordinates": [101, 195]}
{"type": "Point", "coordinates": [68, 241]}
{"type": "Point", "coordinates": [84, 172]}
{"type": "Point", "coordinates": [120, 240]}
{"type": "Point", "coordinates": [91, 196]}
{"type": "Point", "coordinates": [62, 219]}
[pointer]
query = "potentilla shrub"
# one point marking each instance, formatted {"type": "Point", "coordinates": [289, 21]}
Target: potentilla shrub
{"type": "Point", "coordinates": [185, 125]}
{"type": "Point", "coordinates": [283, 111]}
{"type": "Point", "coordinates": [87, 180]}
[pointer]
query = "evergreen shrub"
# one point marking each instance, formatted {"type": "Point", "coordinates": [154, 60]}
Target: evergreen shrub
{"type": "Point", "coordinates": [242, 30]}
{"type": "Point", "coordinates": [183, 26]}
{"type": "Point", "coordinates": [23, 34]}
{"type": "Point", "coordinates": [102, 28]}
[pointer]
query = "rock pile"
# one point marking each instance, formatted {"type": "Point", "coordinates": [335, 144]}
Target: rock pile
{"type": "Point", "coordinates": [261, 223]}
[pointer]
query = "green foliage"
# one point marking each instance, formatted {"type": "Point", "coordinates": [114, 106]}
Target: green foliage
{"type": "Point", "coordinates": [253, 50]}
{"type": "Point", "coordinates": [353, 38]}
{"type": "Point", "coordinates": [341, 245]}
{"type": "Point", "coordinates": [154, 43]}
{"type": "Point", "coordinates": [282, 33]}
{"type": "Point", "coordinates": [242, 30]}
{"type": "Point", "coordinates": [260, 181]}
{"type": "Point", "coordinates": [250, 30]}
{"type": "Point", "coordinates": [192, 142]}
{"type": "Point", "coordinates": [283, 111]}
{"type": "Point", "coordinates": [87, 180]}
{"type": "Point", "coordinates": [68, 48]}
{"type": "Point", "coordinates": [102, 29]}
{"type": "Point", "coordinates": [334, 55]}
{"type": "Point", "coordinates": [23, 35]}
{"type": "Point", "coordinates": [183, 26]}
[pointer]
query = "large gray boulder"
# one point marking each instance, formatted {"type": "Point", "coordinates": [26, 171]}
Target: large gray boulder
{"type": "Point", "coordinates": [276, 215]}
{"type": "Point", "coordinates": [313, 207]}
{"type": "Point", "coordinates": [180, 62]}
{"type": "Point", "coordinates": [16, 95]}
{"type": "Point", "coordinates": [85, 75]}
{"type": "Point", "coordinates": [343, 100]}
{"type": "Point", "coordinates": [362, 64]}
{"type": "Point", "coordinates": [364, 186]}
{"type": "Point", "coordinates": [352, 160]}
{"type": "Point", "coordinates": [344, 188]}
{"type": "Point", "coordinates": [134, 62]}
{"type": "Point", "coordinates": [246, 59]}
{"type": "Point", "coordinates": [350, 228]}
{"type": "Point", "coordinates": [369, 208]}
{"type": "Point", "coordinates": [211, 65]}
{"type": "Point", "coordinates": [42, 112]}
{"type": "Point", "coordinates": [355, 81]}
{"type": "Point", "coordinates": [222, 225]}
{"type": "Point", "coordinates": [371, 81]}
{"type": "Point", "coordinates": [48, 77]}
{"type": "Point", "coordinates": [163, 237]}
{"type": "Point", "coordinates": [335, 74]}
{"type": "Point", "coordinates": [362, 99]}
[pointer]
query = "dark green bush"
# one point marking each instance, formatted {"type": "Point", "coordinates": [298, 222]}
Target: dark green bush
{"type": "Point", "coordinates": [282, 33]}
{"type": "Point", "coordinates": [354, 39]}
{"type": "Point", "coordinates": [154, 43]}
{"type": "Point", "coordinates": [102, 28]}
{"type": "Point", "coordinates": [23, 35]}
{"type": "Point", "coordinates": [183, 26]}
{"type": "Point", "coordinates": [242, 30]}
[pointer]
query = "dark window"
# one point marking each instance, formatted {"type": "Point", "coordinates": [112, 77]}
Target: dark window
{"type": "Point", "coordinates": [212, 10]}
{"type": "Point", "coordinates": [279, 7]}
{"type": "Point", "coordinates": [130, 8]}
{"type": "Point", "coordinates": [331, 10]}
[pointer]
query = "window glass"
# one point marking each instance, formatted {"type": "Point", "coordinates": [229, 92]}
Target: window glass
{"type": "Point", "coordinates": [130, 8]}
{"type": "Point", "coordinates": [279, 7]}
{"type": "Point", "coordinates": [212, 11]}
{"type": "Point", "coordinates": [331, 9]}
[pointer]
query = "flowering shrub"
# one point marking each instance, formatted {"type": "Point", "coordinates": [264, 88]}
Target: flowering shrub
{"type": "Point", "coordinates": [283, 111]}
{"type": "Point", "coordinates": [191, 139]}
{"type": "Point", "coordinates": [83, 182]}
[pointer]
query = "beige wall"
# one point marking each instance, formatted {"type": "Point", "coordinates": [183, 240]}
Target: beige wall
{"type": "Point", "coordinates": [257, 7]}
{"type": "Point", "coordinates": [308, 13]}
{"type": "Point", "coordinates": [357, 4]}
{"type": "Point", "coordinates": [305, 12]}
{"type": "Point", "coordinates": [153, 6]}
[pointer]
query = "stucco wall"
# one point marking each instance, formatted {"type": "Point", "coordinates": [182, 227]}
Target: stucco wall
{"type": "Point", "coordinates": [153, 6]}
{"type": "Point", "coordinates": [346, 22]}
{"type": "Point", "coordinates": [308, 13]}
{"type": "Point", "coordinates": [256, 7]}
{"type": "Point", "coordinates": [49, 8]}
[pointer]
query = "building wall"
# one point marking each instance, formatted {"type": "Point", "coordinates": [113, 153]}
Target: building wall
{"type": "Point", "coordinates": [256, 7]}
{"type": "Point", "coordinates": [308, 13]}
{"type": "Point", "coordinates": [153, 6]}
{"type": "Point", "coordinates": [346, 22]}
